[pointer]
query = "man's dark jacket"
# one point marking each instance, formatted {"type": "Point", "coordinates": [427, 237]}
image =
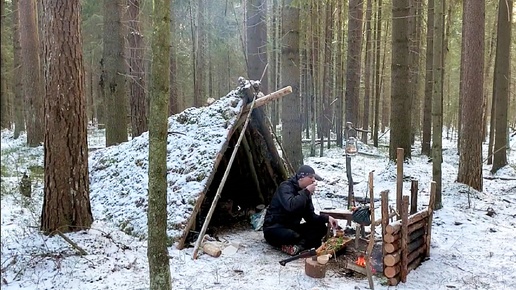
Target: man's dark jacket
{"type": "Point", "coordinates": [289, 205]}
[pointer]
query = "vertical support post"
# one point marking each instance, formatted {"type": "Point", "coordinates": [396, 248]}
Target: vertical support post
{"type": "Point", "coordinates": [413, 195]}
{"type": "Point", "coordinates": [385, 219]}
{"type": "Point", "coordinates": [370, 245]}
{"type": "Point", "coordinates": [433, 187]}
{"type": "Point", "coordinates": [404, 239]}
{"type": "Point", "coordinates": [399, 178]}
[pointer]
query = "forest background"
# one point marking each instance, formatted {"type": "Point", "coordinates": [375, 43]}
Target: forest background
{"type": "Point", "coordinates": [412, 67]}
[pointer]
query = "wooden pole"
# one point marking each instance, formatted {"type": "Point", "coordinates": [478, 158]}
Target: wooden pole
{"type": "Point", "coordinates": [413, 195]}
{"type": "Point", "coordinates": [404, 238]}
{"type": "Point", "coordinates": [385, 218]}
{"type": "Point", "coordinates": [269, 98]}
{"type": "Point", "coordinates": [371, 235]}
{"type": "Point", "coordinates": [433, 187]}
{"type": "Point", "coordinates": [399, 178]}
{"type": "Point", "coordinates": [222, 182]}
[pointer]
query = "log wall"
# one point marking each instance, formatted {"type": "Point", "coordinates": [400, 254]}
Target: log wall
{"type": "Point", "coordinates": [406, 242]}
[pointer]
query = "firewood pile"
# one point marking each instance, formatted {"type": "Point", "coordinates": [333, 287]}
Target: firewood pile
{"type": "Point", "coordinates": [406, 242]}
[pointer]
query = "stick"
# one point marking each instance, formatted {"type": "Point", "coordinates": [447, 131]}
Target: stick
{"type": "Point", "coordinates": [222, 182]}
{"type": "Point", "coordinates": [371, 236]}
{"type": "Point", "coordinates": [73, 244]}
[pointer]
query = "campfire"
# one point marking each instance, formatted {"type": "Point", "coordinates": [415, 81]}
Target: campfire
{"type": "Point", "coordinates": [361, 261]}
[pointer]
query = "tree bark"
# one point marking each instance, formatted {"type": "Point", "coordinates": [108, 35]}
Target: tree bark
{"type": "Point", "coordinates": [353, 61]}
{"type": "Point", "coordinates": [401, 101]}
{"type": "Point", "coordinates": [31, 72]}
{"type": "Point", "coordinates": [501, 83]}
{"type": "Point", "coordinates": [157, 252]}
{"type": "Point", "coordinates": [136, 71]}
{"type": "Point", "coordinates": [113, 74]}
{"type": "Point", "coordinates": [427, 103]}
{"type": "Point", "coordinates": [66, 203]}
{"type": "Point", "coordinates": [291, 116]}
{"type": "Point", "coordinates": [470, 158]}
{"type": "Point", "coordinates": [437, 99]}
{"type": "Point", "coordinates": [19, 101]}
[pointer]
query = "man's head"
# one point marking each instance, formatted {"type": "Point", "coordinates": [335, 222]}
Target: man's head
{"type": "Point", "coordinates": [305, 176]}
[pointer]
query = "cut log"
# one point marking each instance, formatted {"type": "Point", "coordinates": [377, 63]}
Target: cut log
{"type": "Point", "coordinates": [395, 227]}
{"type": "Point", "coordinates": [211, 249]}
{"type": "Point", "coordinates": [415, 244]}
{"type": "Point", "coordinates": [269, 98]}
{"type": "Point", "coordinates": [392, 271]}
{"type": "Point", "coordinates": [356, 268]}
{"type": "Point", "coordinates": [391, 248]}
{"type": "Point", "coordinates": [314, 269]}
{"type": "Point", "coordinates": [415, 230]}
{"type": "Point", "coordinates": [393, 281]}
{"type": "Point", "coordinates": [415, 263]}
{"type": "Point", "coordinates": [416, 253]}
{"type": "Point", "coordinates": [392, 259]}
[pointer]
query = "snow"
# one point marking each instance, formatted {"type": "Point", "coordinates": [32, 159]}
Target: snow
{"type": "Point", "coordinates": [469, 249]}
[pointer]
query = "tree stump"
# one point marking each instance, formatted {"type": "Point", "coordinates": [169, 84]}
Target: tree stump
{"type": "Point", "coordinates": [314, 269]}
{"type": "Point", "coordinates": [26, 186]}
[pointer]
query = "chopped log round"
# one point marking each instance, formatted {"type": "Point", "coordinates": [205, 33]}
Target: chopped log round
{"type": "Point", "coordinates": [391, 248]}
{"type": "Point", "coordinates": [314, 269]}
{"type": "Point", "coordinates": [211, 250]}
{"type": "Point", "coordinates": [390, 238]}
{"type": "Point", "coordinates": [391, 271]}
{"type": "Point", "coordinates": [394, 281]}
{"type": "Point", "coordinates": [391, 259]}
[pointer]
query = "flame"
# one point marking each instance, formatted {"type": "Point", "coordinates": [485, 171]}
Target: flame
{"type": "Point", "coordinates": [361, 261]}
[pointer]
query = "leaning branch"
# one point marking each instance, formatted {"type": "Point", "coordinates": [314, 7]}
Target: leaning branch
{"type": "Point", "coordinates": [269, 98]}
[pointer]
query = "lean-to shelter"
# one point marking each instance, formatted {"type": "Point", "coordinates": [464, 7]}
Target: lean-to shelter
{"type": "Point", "coordinates": [200, 143]}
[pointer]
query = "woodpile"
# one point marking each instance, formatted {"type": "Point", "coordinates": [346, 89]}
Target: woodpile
{"type": "Point", "coordinates": [406, 242]}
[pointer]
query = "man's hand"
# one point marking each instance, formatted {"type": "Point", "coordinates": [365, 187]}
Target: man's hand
{"type": "Point", "coordinates": [311, 188]}
{"type": "Point", "coordinates": [333, 222]}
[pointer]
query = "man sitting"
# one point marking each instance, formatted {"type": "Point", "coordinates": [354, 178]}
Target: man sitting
{"type": "Point", "coordinates": [292, 202]}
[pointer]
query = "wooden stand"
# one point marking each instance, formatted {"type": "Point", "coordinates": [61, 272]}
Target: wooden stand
{"type": "Point", "coordinates": [314, 269]}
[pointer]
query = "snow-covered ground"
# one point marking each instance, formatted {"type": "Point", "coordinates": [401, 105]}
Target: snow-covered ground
{"type": "Point", "coordinates": [470, 249]}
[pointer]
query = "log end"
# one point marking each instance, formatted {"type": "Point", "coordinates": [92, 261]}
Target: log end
{"type": "Point", "coordinates": [314, 269]}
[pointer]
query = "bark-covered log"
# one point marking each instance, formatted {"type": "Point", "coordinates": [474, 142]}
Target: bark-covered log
{"type": "Point", "coordinates": [314, 269]}
{"type": "Point", "coordinates": [391, 271]}
{"type": "Point", "coordinates": [395, 227]}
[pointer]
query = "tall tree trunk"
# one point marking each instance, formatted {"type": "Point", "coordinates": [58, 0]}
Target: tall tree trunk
{"type": "Point", "coordinates": [470, 158]}
{"type": "Point", "coordinates": [353, 60]}
{"type": "Point", "coordinates": [427, 103]}
{"type": "Point", "coordinates": [174, 100]}
{"type": "Point", "coordinates": [113, 74]}
{"type": "Point", "coordinates": [19, 100]}
{"type": "Point", "coordinates": [138, 102]}
{"type": "Point", "coordinates": [377, 78]}
{"type": "Point", "coordinates": [339, 75]}
{"type": "Point", "coordinates": [66, 203]}
{"type": "Point", "coordinates": [291, 116]}
{"type": "Point", "coordinates": [256, 28]}
{"type": "Point", "coordinates": [327, 85]}
{"type": "Point", "coordinates": [5, 106]}
{"type": "Point", "coordinates": [200, 56]}
{"type": "Point", "coordinates": [31, 71]}
{"type": "Point", "coordinates": [157, 253]}
{"type": "Point", "coordinates": [400, 99]}
{"type": "Point", "coordinates": [437, 99]}
{"type": "Point", "coordinates": [501, 83]}
{"type": "Point", "coordinates": [368, 62]}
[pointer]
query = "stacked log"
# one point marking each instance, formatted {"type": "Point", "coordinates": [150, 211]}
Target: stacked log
{"type": "Point", "coordinates": [406, 241]}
